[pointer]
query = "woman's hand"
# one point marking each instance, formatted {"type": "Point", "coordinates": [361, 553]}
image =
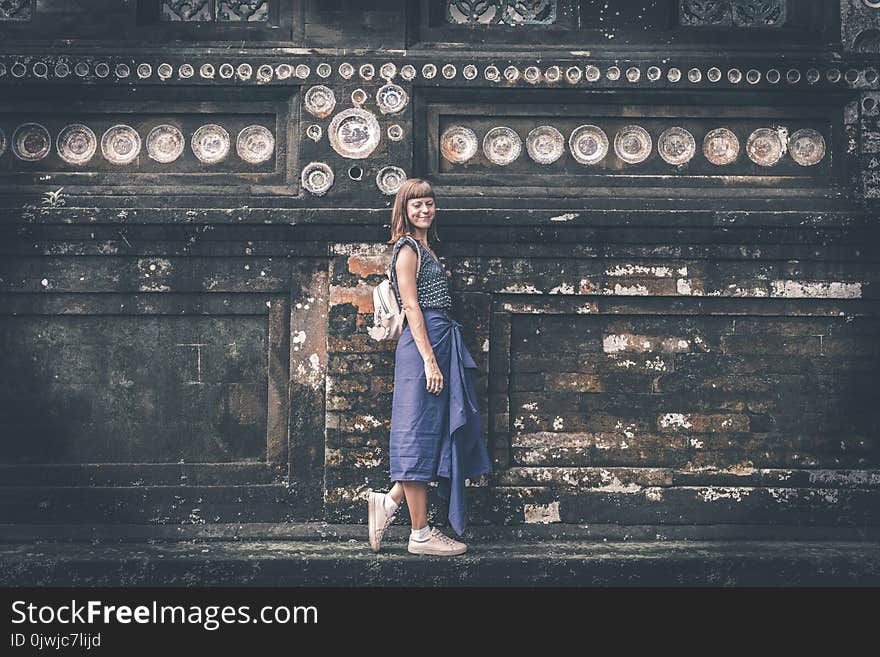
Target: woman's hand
{"type": "Point", "coordinates": [433, 376]}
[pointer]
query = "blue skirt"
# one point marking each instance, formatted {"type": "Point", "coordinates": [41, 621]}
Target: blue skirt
{"type": "Point", "coordinates": [437, 437]}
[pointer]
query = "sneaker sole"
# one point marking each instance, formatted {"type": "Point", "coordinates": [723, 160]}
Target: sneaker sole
{"type": "Point", "coordinates": [436, 553]}
{"type": "Point", "coordinates": [372, 523]}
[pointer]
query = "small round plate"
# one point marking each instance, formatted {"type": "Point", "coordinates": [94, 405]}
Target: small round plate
{"type": "Point", "coordinates": [320, 101]}
{"type": "Point", "coordinates": [545, 144]}
{"type": "Point", "coordinates": [588, 144]}
{"type": "Point", "coordinates": [255, 144]}
{"type": "Point", "coordinates": [391, 98]}
{"type": "Point", "coordinates": [165, 143]}
{"type": "Point", "coordinates": [807, 147]}
{"type": "Point", "coordinates": [76, 144]}
{"type": "Point", "coordinates": [766, 146]}
{"type": "Point", "coordinates": [676, 146]}
{"type": "Point", "coordinates": [121, 144]}
{"type": "Point", "coordinates": [633, 144]}
{"type": "Point", "coordinates": [31, 142]}
{"type": "Point", "coordinates": [502, 145]}
{"type": "Point", "coordinates": [721, 146]}
{"type": "Point", "coordinates": [210, 143]}
{"type": "Point", "coordinates": [389, 179]}
{"type": "Point", "coordinates": [458, 144]}
{"type": "Point", "coordinates": [354, 133]}
{"type": "Point", "coordinates": [317, 178]}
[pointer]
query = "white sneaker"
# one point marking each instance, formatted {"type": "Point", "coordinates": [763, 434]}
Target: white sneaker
{"type": "Point", "coordinates": [437, 544]}
{"type": "Point", "coordinates": [377, 519]}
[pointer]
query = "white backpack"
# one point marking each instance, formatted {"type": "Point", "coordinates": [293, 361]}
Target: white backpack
{"type": "Point", "coordinates": [388, 317]}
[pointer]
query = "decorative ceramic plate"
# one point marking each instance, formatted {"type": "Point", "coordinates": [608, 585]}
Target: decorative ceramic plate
{"type": "Point", "coordinates": [408, 72]}
{"type": "Point", "coordinates": [395, 132]}
{"type": "Point", "coordinates": [766, 146]}
{"type": "Point", "coordinates": [320, 101]}
{"type": "Point", "coordinates": [807, 147]}
{"type": "Point", "coordinates": [387, 71]}
{"type": "Point", "coordinates": [31, 142]}
{"type": "Point", "coordinates": [358, 97]}
{"type": "Point", "coordinates": [458, 144]}
{"type": "Point", "coordinates": [165, 143]}
{"type": "Point", "coordinates": [721, 146]}
{"type": "Point", "coordinates": [121, 144]}
{"type": "Point", "coordinates": [391, 98]}
{"type": "Point", "coordinates": [545, 144]}
{"type": "Point", "coordinates": [354, 133]}
{"type": "Point", "coordinates": [314, 132]}
{"type": "Point", "coordinates": [317, 178]}
{"type": "Point", "coordinates": [2, 142]}
{"type": "Point", "coordinates": [255, 144]}
{"type": "Point", "coordinates": [676, 146]}
{"type": "Point", "coordinates": [346, 70]}
{"type": "Point", "coordinates": [502, 145]}
{"type": "Point", "coordinates": [588, 144]}
{"type": "Point", "coordinates": [632, 144]}
{"type": "Point", "coordinates": [389, 179]}
{"type": "Point", "coordinates": [76, 144]}
{"type": "Point", "coordinates": [210, 143]}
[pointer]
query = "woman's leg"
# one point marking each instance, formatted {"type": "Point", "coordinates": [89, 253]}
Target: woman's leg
{"type": "Point", "coordinates": [417, 501]}
{"type": "Point", "coordinates": [396, 493]}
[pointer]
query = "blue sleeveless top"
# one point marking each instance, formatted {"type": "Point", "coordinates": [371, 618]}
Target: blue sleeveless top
{"type": "Point", "coordinates": [431, 282]}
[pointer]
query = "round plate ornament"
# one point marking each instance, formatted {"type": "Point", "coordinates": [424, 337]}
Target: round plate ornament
{"type": "Point", "coordinates": [165, 143]}
{"type": "Point", "coordinates": [458, 144]}
{"type": "Point", "coordinates": [320, 101]}
{"type": "Point", "coordinates": [807, 147]}
{"type": "Point", "coordinates": [76, 144]}
{"type": "Point", "coordinates": [389, 179]}
{"type": "Point", "coordinates": [317, 178]}
{"type": "Point", "coordinates": [766, 146]}
{"type": "Point", "coordinates": [31, 142]}
{"type": "Point", "coordinates": [391, 98]}
{"type": "Point", "coordinates": [632, 144]}
{"type": "Point", "coordinates": [210, 143]}
{"type": "Point", "coordinates": [676, 146]}
{"type": "Point", "coordinates": [354, 133]}
{"type": "Point", "coordinates": [314, 132]}
{"type": "Point", "coordinates": [588, 144]}
{"type": "Point", "coordinates": [721, 146]}
{"type": "Point", "coordinates": [255, 144]}
{"type": "Point", "coordinates": [545, 144]}
{"type": "Point", "coordinates": [502, 145]}
{"type": "Point", "coordinates": [121, 144]}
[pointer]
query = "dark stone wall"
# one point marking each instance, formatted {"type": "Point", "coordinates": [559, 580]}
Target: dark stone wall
{"type": "Point", "coordinates": [185, 342]}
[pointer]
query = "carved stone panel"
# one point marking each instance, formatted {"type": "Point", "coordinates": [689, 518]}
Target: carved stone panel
{"type": "Point", "coordinates": [860, 25]}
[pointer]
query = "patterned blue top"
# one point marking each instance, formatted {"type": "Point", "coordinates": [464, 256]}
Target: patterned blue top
{"type": "Point", "coordinates": [431, 283]}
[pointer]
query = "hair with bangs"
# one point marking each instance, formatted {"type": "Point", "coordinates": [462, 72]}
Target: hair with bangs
{"type": "Point", "coordinates": [400, 223]}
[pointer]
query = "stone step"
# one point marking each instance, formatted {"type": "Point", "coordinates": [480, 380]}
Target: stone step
{"type": "Point", "coordinates": [136, 474]}
{"type": "Point", "coordinates": [506, 563]}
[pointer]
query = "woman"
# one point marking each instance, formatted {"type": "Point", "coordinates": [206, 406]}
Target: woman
{"type": "Point", "coordinates": [436, 428]}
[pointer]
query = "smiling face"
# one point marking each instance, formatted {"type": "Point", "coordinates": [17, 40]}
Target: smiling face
{"type": "Point", "coordinates": [421, 211]}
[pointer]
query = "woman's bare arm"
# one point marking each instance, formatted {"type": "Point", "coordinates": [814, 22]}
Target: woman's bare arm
{"type": "Point", "coordinates": [405, 270]}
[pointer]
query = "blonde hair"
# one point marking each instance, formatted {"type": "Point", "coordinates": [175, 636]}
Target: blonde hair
{"type": "Point", "coordinates": [400, 223]}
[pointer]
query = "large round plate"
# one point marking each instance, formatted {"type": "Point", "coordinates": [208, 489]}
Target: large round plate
{"type": "Point", "coordinates": [121, 144]}
{"type": "Point", "coordinates": [31, 142]}
{"type": "Point", "coordinates": [765, 147]}
{"type": "Point", "coordinates": [545, 144]}
{"type": "Point", "coordinates": [320, 101]}
{"type": "Point", "coordinates": [165, 143]}
{"type": "Point", "coordinates": [255, 144]}
{"type": "Point", "coordinates": [676, 146]}
{"type": "Point", "coordinates": [389, 179]}
{"type": "Point", "coordinates": [354, 133]}
{"type": "Point", "coordinates": [502, 145]}
{"type": "Point", "coordinates": [76, 144]}
{"type": "Point", "coordinates": [807, 147]}
{"type": "Point", "coordinates": [317, 178]}
{"type": "Point", "coordinates": [458, 144]}
{"type": "Point", "coordinates": [633, 144]}
{"type": "Point", "coordinates": [588, 144]}
{"type": "Point", "coordinates": [391, 98]}
{"type": "Point", "coordinates": [721, 146]}
{"type": "Point", "coordinates": [210, 143]}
